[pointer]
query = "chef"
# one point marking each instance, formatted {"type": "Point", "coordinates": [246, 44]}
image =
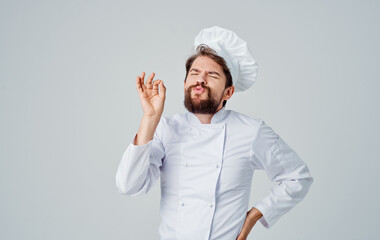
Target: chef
{"type": "Point", "coordinates": [205, 158]}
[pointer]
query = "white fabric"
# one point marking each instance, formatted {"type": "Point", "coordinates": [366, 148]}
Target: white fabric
{"type": "Point", "coordinates": [235, 51]}
{"type": "Point", "coordinates": [206, 173]}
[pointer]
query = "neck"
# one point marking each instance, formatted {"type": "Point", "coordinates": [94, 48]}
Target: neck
{"type": "Point", "coordinates": [206, 118]}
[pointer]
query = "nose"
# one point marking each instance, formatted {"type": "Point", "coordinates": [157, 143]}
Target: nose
{"type": "Point", "coordinates": [201, 79]}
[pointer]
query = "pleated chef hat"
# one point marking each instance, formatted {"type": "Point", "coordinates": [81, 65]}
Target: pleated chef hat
{"type": "Point", "coordinates": [235, 52]}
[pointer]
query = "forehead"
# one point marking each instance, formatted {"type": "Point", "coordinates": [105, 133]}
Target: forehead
{"type": "Point", "coordinates": [205, 63]}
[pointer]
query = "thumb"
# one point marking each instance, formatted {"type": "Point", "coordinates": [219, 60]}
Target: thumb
{"type": "Point", "coordinates": [162, 92]}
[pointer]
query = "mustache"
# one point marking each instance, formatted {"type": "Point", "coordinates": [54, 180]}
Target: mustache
{"type": "Point", "coordinates": [196, 85]}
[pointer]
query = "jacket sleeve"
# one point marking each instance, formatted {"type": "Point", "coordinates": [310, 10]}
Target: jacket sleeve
{"type": "Point", "coordinates": [139, 167]}
{"type": "Point", "coordinates": [282, 165]}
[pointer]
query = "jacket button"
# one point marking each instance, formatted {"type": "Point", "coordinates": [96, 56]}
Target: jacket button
{"type": "Point", "coordinates": [211, 205]}
{"type": "Point", "coordinates": [216, 165]}
{"type": "Point", "coordinates": [186, 164]}
{"type": "Point", "coordinates": [182, 204]}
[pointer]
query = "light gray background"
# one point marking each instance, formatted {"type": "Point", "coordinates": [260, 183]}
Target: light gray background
{"type": "Point", "coordinates": [69, 108]}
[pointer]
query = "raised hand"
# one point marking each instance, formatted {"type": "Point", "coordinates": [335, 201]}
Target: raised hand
{"type": "Point", "coordinates": [151, 94]}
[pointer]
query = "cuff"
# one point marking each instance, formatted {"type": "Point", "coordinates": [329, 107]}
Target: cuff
{"type": "Point", "coordinates": [133, 145]}
{"type": "Point", "coordinates": [264, 219]}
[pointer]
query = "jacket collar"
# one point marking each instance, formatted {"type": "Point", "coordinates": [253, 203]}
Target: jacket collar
{"type": "Point", "coordinates": [218, 117]}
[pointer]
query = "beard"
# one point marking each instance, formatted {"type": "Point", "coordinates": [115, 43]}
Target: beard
{"type": "Point", "coordinates": [203, 106]}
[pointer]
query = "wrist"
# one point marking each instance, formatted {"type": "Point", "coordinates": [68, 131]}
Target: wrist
{"type": "Point", "coordinates": [255, 214]}
{"type": "Point", "coordinates": [152, 118]}
{"type": "Point", "coordinates": [146, 130]}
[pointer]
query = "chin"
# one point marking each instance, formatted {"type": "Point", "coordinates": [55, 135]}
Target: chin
{"type": "Point", "coordinates": [199, 96]}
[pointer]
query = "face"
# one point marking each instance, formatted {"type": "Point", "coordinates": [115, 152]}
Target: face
{"type": "Point", "coordinates": [205, 86]}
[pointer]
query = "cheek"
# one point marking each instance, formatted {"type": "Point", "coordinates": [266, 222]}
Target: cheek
{"type": "Point", "coordinates": [190, 81]}
{"type": "Point", "coordinates": [186, 86]}
{"type": "Point", "coordinates": [219, 90]}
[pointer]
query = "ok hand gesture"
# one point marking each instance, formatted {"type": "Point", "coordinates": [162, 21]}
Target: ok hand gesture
{"type": "Point", "coordinates": [151, 96]}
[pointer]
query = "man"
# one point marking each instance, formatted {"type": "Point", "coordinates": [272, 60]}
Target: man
{"type": "Point", "coordinates": [206, 157]}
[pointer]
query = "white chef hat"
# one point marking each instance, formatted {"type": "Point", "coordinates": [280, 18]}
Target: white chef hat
{"type": "Point", "coordinates": [234, 51]}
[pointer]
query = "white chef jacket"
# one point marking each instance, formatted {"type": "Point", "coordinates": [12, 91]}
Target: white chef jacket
{"type": "Point", "coordinates": [206, 173]}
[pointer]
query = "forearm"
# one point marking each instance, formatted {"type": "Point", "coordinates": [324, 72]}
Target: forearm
{"type": "Point", "coordinates": [146, 130]}
{"type": "Point", "coordinates": [133, 168]}
{"type": "Point", "coordinates": [252, 217]}
{"type": "Point", "coordinates": [254, 214]}
{"type": "Point", "coordinates": [140, 165]}
{"type": "Point", "coordinates": [133, 176]}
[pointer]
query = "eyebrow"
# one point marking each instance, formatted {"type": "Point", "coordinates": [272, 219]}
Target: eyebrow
{"type": "Point", "coordinates": [194, 69]}
{"type": "Point", "coordinates": [210, 72]}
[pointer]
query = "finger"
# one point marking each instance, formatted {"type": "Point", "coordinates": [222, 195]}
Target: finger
{"type": "Point", "coordinates": [142, 76]}
{"type": "Point", "coordinates": [155, 84]}
{"type": "Point", "coordinates": [162, 92]}
{"type": "Point", "coordinates": [149, 81]}
{"type": "Point", "coordinates": [143, 84]}
{"type": "Point", "coordinates": [138, 84]}
{"type": "Point", "coordinates": [142, 81]}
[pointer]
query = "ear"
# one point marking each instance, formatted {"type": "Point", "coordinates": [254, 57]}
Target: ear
{"type": "Point", "coordinates": [228, 92]}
